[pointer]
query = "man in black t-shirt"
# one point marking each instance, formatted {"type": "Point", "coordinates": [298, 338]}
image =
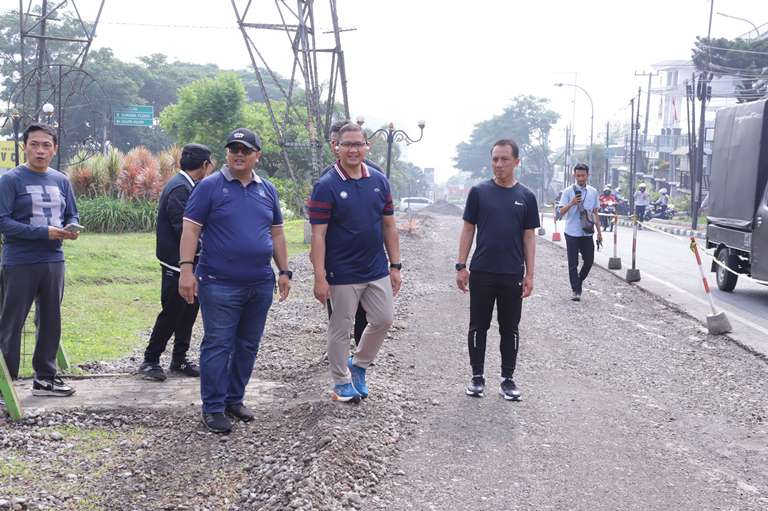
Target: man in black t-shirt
{"type": "Point", "coordinates": [506, 215]}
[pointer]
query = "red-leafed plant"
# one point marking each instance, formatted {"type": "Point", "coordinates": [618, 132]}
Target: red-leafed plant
{"type": "Point", "coordinates": [140, 175]}
{"type": "Point", "coordinates": [83, 180]}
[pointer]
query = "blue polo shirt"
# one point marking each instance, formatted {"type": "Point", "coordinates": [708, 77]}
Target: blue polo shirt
{"type": "Point", "coordinates": [236, 223]}
{"type": "Point", "coordinates": [354, 210]}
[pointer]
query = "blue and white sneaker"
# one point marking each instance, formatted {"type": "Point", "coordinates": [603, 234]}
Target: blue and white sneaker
{"type": "Point", "coordinates": [358, 378]}
{"type": "Point", "coordinates": [345, 393]}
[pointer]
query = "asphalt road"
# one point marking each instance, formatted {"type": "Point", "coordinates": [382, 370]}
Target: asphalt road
{"type": "Point", "coordinates": [668, 268]}
{"type": "Point", "coordinates": [627, 403]}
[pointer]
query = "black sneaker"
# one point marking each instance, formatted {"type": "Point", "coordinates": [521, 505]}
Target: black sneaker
{"type": "Point", "coordinates": [576, 297]}
{"type": "Point", "coordinates": [509, 390]}
{"type": "Point", "coordinates": [240, 412]}
{"type": "Point", "coordinates": [152, 371]}
{"type": "Point", "coordinates": [186, 368]}
{"type": "Point", "coordinates": [217, 422]}
{"type": "Point", "coordinates": [476, 387]}
{"type": "Point", "coordinates": [54, 387]}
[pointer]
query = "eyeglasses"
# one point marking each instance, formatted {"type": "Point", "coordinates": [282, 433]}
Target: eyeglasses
{"type": "Point", "coordinates": [352, 145]}
{"type": "Point", "coordinates": [239, 149]}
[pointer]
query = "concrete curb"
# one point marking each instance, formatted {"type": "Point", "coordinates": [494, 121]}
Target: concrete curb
{"type": "Point", "coordinates": [670, 229]}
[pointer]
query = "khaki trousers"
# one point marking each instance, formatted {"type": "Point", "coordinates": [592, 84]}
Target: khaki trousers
{"type": "Point", "coordinates": [376, 298]}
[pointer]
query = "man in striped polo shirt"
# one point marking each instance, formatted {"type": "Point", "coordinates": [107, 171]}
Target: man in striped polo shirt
{"type": "Point", "coordinates": [352, 219]}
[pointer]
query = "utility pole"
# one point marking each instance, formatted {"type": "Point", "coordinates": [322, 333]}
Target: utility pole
{"type": "Point", "coordinates": [607, 170]}
{"type": "Point", "coordinates": [647, 103]}
{"type": "Point", "coordinates": [690, 112]}
{"type": "Point", "coordinates": [566, 158]}
{"type": "Point", "coordinates": [637, 131]}
{"type": "Point", "coordinates": [631, 191]}
{"type": "Point", "coordinates": [703, 91]}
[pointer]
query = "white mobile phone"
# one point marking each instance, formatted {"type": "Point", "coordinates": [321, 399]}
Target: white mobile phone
{"type": "Point", "coordinates": [74, 228]}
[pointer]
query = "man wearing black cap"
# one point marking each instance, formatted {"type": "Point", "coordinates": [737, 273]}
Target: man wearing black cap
{"type": "Point", "coordinates": [238, 214]}
{"type": "Point", "coordinates": [177, 317]}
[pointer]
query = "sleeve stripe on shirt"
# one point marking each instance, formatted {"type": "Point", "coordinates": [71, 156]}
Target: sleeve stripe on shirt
{"type": "Point", "coordinates": [317, 204]}
{"type": "Point", "coordinates": [193, 221]}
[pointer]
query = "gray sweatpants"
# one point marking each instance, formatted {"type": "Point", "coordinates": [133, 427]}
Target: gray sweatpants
{"type": "Point", "coordinates": [21, 285]}
{"type": "Point", "coordinates": [376, 298]}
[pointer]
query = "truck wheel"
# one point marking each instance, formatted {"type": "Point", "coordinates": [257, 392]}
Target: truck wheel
{"type": "Point", "coordinates": [726, 280]}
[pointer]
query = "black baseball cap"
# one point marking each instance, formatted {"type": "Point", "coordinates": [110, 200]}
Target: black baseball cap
{"type": "Point", "coordinates": [196, 152]}
{"type": "Point", "coordinates": [246, 137]}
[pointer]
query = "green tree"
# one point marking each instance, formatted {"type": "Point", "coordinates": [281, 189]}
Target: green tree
{"type": "Point", "coordinates": [744, 59]}
{"type": "Point", "coordinates": [207, 110]}
{"type": "Point", "coordinates": [528, 121]}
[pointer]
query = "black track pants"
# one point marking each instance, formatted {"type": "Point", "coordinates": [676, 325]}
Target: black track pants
{"type": "Point", "coordinates": [485, 290]}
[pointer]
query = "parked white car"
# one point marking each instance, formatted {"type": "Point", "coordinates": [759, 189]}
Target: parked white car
{"type": "Point", "coordinates": [414, 203]}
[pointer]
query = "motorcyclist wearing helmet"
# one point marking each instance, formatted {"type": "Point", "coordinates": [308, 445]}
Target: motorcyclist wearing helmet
{"type": "Point", "coordinates": [607, 207]}
{"type": "Point", "coordinates": [642, 201]}
{"type": "Point", "coordinates": [662, 203]}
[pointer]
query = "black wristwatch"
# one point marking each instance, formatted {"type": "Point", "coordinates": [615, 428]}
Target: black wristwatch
{"type": "Point", "coordinates": [396, 266]}
{"type": "Point", "coordinates": [289, 273]}
{"type": "Point", "coordinates": [461, 266]}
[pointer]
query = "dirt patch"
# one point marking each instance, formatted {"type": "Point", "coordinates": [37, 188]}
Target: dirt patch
{"type": "Point", "coordinates": [444, 208]}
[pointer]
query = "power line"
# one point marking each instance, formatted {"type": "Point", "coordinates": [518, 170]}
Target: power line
{"type": "Point", "coordinates": [733, 49]}
{"type": "Point", "coordinates": [148, 25]}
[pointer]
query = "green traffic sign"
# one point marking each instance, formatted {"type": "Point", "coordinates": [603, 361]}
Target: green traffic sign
{"type": "Point", "coordinates": [134, 115]}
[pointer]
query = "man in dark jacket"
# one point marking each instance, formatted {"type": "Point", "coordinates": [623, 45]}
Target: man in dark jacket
{"type": "Point", "coordinates": [177, 316]}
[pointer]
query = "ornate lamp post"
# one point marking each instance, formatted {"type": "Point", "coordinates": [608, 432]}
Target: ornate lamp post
{"type": "Point", "coordinates": [393, 135]}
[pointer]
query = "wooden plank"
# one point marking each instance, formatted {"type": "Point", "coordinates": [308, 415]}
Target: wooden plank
{"type": "Point", "coordinates": [61, 358]}
{"type": "Point", "coordinates": [12, 401]}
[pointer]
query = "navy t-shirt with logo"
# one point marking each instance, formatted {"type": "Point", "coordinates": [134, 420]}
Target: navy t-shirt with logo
{"type": "Point", "coordinates": [354, 210]}
{"type": "Point", "coordinates": [236, 225]}
{"type": "Point", "coordinates": [501, 215]}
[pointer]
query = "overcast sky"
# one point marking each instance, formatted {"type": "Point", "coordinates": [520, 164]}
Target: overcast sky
{"type": "Point", "coordinates": [451, 63]}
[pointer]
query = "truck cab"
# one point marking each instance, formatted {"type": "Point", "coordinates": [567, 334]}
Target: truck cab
{"type": "Point", "coordinates": [737, 221]}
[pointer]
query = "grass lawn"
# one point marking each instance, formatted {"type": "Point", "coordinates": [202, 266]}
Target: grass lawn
{"type": "Point", "coordinates": [112, 294]}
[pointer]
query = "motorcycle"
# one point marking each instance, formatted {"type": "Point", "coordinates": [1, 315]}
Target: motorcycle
{"type": "Point", "coordinates": [657, 210]}
{"type": "Point", "coordinates": [607, 208]}
{"type": "Point", "coordinates": [622, 207]}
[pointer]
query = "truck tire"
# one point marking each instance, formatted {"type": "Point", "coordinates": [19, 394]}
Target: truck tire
{"type": "Point", "coordinates": [726, 281]}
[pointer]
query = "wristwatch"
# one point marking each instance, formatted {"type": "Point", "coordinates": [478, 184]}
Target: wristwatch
{"type": "Point", "coordinates": [461, 266]}
{"type": "Point", "coordinates": [396, 266]}
{"type": "Point", "coordinates": [288, 273]}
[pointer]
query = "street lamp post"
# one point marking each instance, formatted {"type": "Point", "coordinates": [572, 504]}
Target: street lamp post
{"type": "Point", "coordinates": [591, 118]}
{"type": "Point", "coordinates": [16, 120]}
{"type": "Point", "coordinates": [392, 136]}
{"type": "Point", "coordinates": [48, 110]}
{"type": "Point", "coordinates": [754, 27]}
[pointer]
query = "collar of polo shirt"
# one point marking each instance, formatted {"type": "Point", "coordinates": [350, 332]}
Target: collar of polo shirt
{"type": "Point", "coordinates": [229, 177]}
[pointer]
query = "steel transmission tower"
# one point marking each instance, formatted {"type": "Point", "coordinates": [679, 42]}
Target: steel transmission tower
{"type": "Point", "coordinates": [33, 27]}
{"type": "Point", "coordinates": [53, 79]}
{"type": "Point", "coordinates": [257, 18]}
